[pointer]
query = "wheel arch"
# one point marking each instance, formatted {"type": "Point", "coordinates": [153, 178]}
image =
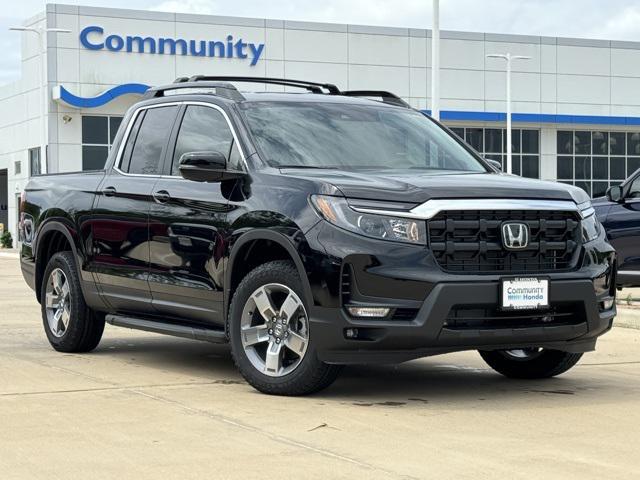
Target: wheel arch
{"type": "Point", "coordinates": [53, 237]}
{"type": "Point", "coordinates": [280, 247]}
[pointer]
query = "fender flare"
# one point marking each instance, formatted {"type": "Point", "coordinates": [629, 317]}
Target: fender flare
{"type": "Point", "coordinates": [276, 237]}
{"type": "Point", "coordinates": [52, 224]}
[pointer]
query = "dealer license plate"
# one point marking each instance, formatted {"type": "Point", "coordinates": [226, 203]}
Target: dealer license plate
{"type": "Point", "coordinates": [525, 293]}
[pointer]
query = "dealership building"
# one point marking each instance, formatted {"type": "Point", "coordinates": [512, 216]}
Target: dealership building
{"type": "Point", "coordinates": [576, 102]}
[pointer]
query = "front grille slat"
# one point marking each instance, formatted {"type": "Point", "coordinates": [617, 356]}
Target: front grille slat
{"type": "Point", "coordinates": [471, 241]}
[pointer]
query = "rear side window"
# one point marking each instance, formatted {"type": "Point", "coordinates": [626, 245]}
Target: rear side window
{"type": "Point", "coordinates": [147, 139]}
{"type": "Point", "coordinates": [203, 129]}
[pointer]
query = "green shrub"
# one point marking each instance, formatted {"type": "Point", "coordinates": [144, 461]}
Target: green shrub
{"type": "Point", "coordinates": [6, 241]}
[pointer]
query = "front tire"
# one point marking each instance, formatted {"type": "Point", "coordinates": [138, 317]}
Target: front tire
{"type": "Point", "coordinates": [530, 363]}
{"type": "Point", "coordinates": [271, 340]}
{"type": "Point", "coordinates": [70, 325]}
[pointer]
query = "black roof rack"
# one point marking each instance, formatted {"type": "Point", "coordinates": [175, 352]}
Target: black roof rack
{"type": "Point", "coordinates": [219, 85]}
{"type": "Point", "coordinates": [221, 89]}
{"type": "Point", "coordinates": [310, 86]}
{"type": "Point", "coordinates": [386, 97]}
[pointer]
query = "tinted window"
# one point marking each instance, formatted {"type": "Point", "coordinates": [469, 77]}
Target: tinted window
{"type": "Point", "coordinates": [34, 161]}
{"type": "Point", "coordinates": [493, 140]}
{"type": "Point", "coordinates": [95, 129]}
{"type": "Point", "coordinates": [530, 141]}
{"type": "Point", "coordinates": [565, 142]}
{"type": "Point", "coordinates": [94, 157]}
{"type": "Point", "coordinates": [146, 155]}
{"type": "Point", "coordinates": [131, 140]}
{"type": "Point", "coordinates": [203, 129]}
{"type": "Point", "coordinates": [114, 124]}
{"type": "Point", "coordinates": [334, 135]}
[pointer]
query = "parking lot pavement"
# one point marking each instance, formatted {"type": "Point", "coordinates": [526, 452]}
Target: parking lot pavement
{"type": "Point", "coordinates": [147, 406]}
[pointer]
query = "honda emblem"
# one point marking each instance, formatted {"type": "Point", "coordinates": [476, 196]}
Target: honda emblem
{"type": "Point", "coordinates": [515, 235]}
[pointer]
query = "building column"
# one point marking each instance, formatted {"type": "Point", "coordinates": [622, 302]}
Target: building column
{"type": "Point", "coordinates": [548, 153]}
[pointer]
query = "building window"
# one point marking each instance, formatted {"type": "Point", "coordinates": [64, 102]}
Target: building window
{"type": "Point", "coordinates": [34, 161]}
{"type": "Point", "coordinates": [17, 167]}
{"type": "Point", "coordinates": [491, 143]}
{"type": "Point", "coordinates": [98, 133]}
{"type": "Point", "coordinates": [596, 160]}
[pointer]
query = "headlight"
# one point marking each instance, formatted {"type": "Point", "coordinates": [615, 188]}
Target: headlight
{"type": "Point", "coordinates": [336, 210]}
{"type": "Point", "coordinates": [591, 228]}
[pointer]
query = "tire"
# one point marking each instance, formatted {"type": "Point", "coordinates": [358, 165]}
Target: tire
{"type": "Point", "coordinates": [530, 363]}
{"type": "Point", "coordinates": [78, 329]}
{"type": "Point", "coordinates": [295, 374]}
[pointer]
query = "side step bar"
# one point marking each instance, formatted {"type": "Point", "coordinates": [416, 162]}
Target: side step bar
{"type": "Point", "coordinates": [194, 332]}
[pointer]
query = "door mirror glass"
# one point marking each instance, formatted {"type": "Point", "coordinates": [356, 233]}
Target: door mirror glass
{"type": "Point", "coordinates": [206, 167]}
{"type": "Point", "coordinates": [614, 193]}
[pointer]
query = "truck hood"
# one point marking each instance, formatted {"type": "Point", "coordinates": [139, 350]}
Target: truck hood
{"type": "Point", "coordinates": [419, 186]}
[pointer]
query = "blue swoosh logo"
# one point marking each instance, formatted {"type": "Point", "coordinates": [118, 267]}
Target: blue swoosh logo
{"type": "Point", "coordinates": [69, 98]}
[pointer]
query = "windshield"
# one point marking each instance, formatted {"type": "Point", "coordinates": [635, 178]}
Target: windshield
{"type": "Point", "coordinates": [350, 136]}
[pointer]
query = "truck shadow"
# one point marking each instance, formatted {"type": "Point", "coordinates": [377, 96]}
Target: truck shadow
{"type": "Point", "coordinates": [434, 380]}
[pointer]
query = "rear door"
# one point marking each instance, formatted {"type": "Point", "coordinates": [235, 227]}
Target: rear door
{"type": "Point", "coordinates": [623, 228]}
{"type": "Point", "coordinates": [120, 223]}
{"type": "Point", "coordinates": [188, 222]}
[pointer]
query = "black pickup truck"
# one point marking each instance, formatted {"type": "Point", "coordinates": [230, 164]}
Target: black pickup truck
{"type": "Point", "coordinates": [312, 230]}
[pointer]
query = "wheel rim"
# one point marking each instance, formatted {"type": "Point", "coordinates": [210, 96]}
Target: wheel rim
{"type": "Point", "coordinates": [522, 354]}
{"type": "Point", "coordinates": [58, 302]}
{"type": "Point", "coordinates": [274, 330]}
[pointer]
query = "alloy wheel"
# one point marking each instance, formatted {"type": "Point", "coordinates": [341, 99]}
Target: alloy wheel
{"type": "Point", "coordinates": [274, 330]}
{"type": "Point", "coordinates": [58, 302]}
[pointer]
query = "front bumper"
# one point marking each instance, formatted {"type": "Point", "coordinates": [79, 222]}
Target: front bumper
{"type": "Point", "coordinates": [408, 279]}
{"type": "Point", "coordinates": [429, 333]}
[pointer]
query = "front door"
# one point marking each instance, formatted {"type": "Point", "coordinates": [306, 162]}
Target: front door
{"type": "Point", "coordinates": [120, 220]}
{"type": "Point", "coordinates": [188, 223]}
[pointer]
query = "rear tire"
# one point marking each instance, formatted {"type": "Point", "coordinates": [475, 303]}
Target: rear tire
{"type": "Point", "coordinates": [275, 289]}
{"type": "Point", "coordinates": [530, 363]}
{"type": "Point", "coordinates": [70, 325]}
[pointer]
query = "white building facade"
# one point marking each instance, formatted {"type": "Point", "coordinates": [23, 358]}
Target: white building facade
{"type": "Point", "coordinates": [576, 102]}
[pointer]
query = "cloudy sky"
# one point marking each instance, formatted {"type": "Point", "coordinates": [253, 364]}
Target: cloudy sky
{"type": "Point", "coordinates": [607, 19]}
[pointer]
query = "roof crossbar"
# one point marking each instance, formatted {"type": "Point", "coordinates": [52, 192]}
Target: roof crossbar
{"type": "Point", "coordinates": [310, 86]}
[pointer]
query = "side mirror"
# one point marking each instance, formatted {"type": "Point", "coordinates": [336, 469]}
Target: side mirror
{"type": "Point", "coordinates": [206, 167]}
{"type": "Point", "coordinates": [494, 163]}
{"type": "Point", "coordinates": [614, 194]}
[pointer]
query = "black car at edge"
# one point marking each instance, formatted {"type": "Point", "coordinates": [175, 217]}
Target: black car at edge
{"type": "Point", "coordinates": [312, 230]}
{"type": "Point", "coordinates": [619, 213]}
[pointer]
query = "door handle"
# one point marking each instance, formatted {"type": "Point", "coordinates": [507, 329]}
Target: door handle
{"type": "Point", "coordinates": [161, 196]}
{"type": "Point", "coordinates": [109, 191]}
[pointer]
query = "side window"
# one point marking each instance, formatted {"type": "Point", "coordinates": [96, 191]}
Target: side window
{"type": "Point", "coordinates": [203, 129]}
{"type": "Point", "coordinates": [143, 151]}
{"type": "Point", "coordinates": [131, 140]}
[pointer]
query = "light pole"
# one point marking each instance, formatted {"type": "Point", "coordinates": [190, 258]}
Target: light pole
{"type": "Point", "coordinates": [508, 57]}
{"type": "Point", "coordinates": [435, 61]}
{"type": "Point", "coordinates": [42, 91]}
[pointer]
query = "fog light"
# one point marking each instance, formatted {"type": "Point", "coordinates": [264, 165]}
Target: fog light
{"type": "Point", "coordinates": [369, 312]}
{"type": "Point", "coordinates": [607, 304]}
{"type": "Point", "coordinates": [351, 332]}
